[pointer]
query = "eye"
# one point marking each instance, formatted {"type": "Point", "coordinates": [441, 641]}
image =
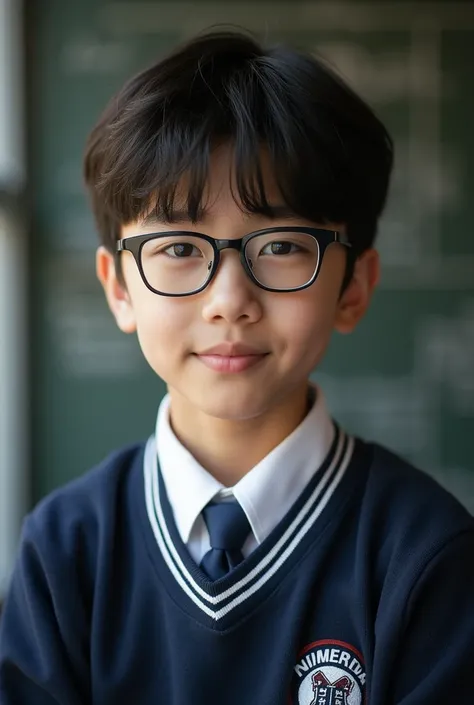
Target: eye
{"type": "Point", "coordinates": [182, 250]}
{"type": "Point", "coordinates": [280, 247]}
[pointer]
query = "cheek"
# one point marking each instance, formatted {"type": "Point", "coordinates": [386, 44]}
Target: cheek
{"type": "Point", "coordinates": [315, 310]}
{"type": "Point", "coordinates": [307, 316]}
{"type": "Point", "coordinates": [162, 329]}
{"type": "Point", "coordinates": [305, 324]}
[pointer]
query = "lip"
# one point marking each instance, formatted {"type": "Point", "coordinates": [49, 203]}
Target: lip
{"type": "Point", "coordinates": [232, 350]}
{"type": "Point", "coordinates": [230, 363]}
{"type": "Point", "coordinates": [231, 357]}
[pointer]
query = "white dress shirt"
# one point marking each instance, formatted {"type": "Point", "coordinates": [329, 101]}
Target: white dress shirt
{"type": "Point", "coordinates": [265, 493]}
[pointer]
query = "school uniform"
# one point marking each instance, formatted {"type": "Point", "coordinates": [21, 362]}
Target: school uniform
{"type": "Point", "coordinates": [355, 582]}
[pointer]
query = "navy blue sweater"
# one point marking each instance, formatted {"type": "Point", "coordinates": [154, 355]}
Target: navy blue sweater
{"type": "Point", "coordinates": [364, 593]}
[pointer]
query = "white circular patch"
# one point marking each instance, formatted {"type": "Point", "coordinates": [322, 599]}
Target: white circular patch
{"type": "Point", "coordinates": [329, 672]}
{"type": "Point", "coordinates": [329, 685]}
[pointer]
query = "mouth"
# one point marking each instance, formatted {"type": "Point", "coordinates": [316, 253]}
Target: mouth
{"type": "Point", "coordinates": [231, 357]}
{"type": "Point", "coordinates": [231, 364]}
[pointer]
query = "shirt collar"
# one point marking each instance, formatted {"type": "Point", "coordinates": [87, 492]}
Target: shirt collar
{"type": "Point", "coordinates": [266, 493]}
{"type": "Point", "coordinates": [188, 485]}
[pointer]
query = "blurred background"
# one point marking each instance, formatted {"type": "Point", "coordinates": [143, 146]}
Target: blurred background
{"type": "Point", "coordinates": [72, 387]}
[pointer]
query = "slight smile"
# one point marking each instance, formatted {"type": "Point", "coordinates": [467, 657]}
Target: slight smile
{"type": "Point", "coordinates": [231, 358]}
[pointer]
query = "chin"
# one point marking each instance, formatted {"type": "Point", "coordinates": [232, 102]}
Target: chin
{"type": "Point", "coordinates": [230, 404]}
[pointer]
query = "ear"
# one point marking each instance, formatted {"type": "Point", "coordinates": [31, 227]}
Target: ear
{"type": "Point", "coordinates": [355, 300]}
{"type": "Point", "coordinates": [116, 293]}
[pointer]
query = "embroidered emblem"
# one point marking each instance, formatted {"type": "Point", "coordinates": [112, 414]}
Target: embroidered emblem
{"type": "Point", "coordinates": [329, 672]}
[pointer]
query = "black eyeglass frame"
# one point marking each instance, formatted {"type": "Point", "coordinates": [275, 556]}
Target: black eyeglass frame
{"type": "Point", "coordinates": [323, 237]}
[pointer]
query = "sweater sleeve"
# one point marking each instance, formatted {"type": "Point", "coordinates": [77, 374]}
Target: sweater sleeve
{"type": "Point", "coordinates": [43, 639]}
{"type": "Point", "coordinates": [435, 660]}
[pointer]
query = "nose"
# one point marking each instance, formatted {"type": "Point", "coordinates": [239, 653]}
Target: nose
{"type": "Point", "coordinates": [231, 296]}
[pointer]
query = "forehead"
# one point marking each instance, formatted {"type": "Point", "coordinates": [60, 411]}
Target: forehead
{"type": "Point", "coordinates": [223, 168]}
{"type": "Point", "coordinates": [220, 197]}
{"type": "Point", "coordinates": [225, 182]}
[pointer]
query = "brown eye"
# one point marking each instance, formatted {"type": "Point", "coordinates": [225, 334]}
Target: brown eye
{"type": "Point", "coordinates": [182, 250]}
{"type": "Point", "coordinates": [278, 248]}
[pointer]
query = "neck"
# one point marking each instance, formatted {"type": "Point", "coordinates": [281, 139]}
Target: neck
{"type": "Point", "coordinates": [228, 449]}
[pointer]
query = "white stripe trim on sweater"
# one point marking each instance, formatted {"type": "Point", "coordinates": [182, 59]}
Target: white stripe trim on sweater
{"type": "Point", "coordinates": [299, 527]}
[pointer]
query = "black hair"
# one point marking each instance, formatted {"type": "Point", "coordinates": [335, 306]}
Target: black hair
{"type": "Point", "coordinates": [330, 154]}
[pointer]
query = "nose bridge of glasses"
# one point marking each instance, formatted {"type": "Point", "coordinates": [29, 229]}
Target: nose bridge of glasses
{"type": "Point", "coordinates": [225, 244]}
{"type": "Point", "coordinates": [229, 244]}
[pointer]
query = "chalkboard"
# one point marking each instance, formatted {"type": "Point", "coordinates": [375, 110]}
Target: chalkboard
{"type": "Point", "coordinates": [406, 377]}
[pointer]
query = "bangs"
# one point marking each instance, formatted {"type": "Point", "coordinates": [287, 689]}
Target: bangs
{"type": "Point", "coordinates": [316, 136]}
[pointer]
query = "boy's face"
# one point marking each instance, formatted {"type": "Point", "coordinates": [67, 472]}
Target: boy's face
{"type": "Point", "coordinates": [291, 330]}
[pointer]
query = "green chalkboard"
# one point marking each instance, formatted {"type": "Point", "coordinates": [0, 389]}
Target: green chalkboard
{"type": "Point", "coordinates": [406, 377]}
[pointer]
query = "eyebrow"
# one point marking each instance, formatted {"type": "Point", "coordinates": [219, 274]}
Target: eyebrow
{"type": "Point", "coordinates": [275, 212]}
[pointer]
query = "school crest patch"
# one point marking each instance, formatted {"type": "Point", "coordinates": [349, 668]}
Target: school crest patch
{"type": "Point", "coordinates": [329, 672]}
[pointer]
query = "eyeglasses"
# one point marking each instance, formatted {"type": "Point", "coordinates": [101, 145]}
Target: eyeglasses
{"type": "Point", "coordinates": [181, 263]}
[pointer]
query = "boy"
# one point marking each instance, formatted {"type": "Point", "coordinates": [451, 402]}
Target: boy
{"type": "Point", "coordinates": [251, 552]}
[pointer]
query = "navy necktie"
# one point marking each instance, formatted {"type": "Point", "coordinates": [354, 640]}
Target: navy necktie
{"type": "Point", "coordinates": [228, 529]}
